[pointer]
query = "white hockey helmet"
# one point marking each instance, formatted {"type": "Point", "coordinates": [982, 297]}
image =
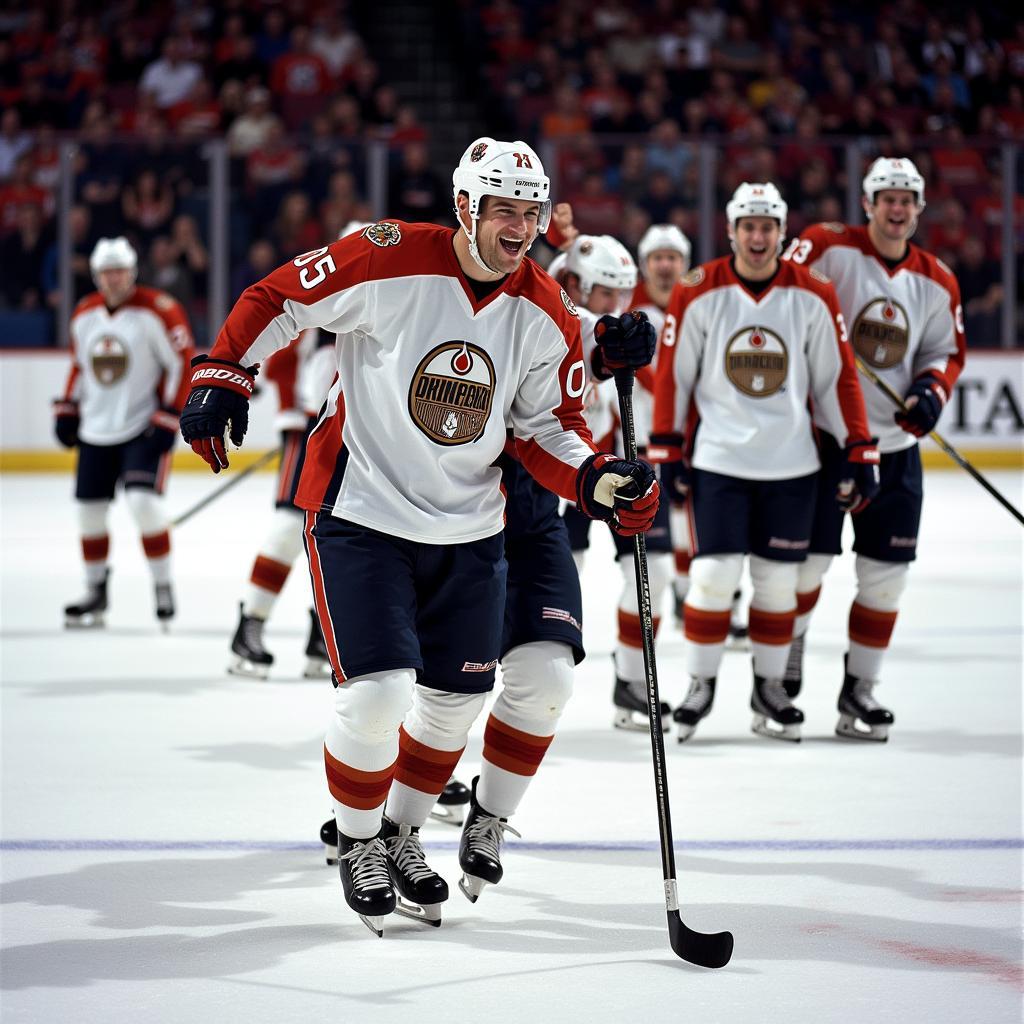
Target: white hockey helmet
{"type": "Point", "coordinates": [557, 265]}
{"type": "Point", "coordinates": [893, 172]}
{"type": "Point", "coordinates": [663, 236]}
{"type": "Point", "coordinates": [600, 259]}
{"type": "Point", "coordinates": [757, 199]}
{"type": "Point", "coordinates": [113, 254]}
{"type": "Point", "coordinates": [508, 169]}
{"type": "Point", "coordinates": [353, 226]}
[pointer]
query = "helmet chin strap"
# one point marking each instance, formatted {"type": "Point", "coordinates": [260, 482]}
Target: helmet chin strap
{"type": "Point", "coordinates": [474, 249]}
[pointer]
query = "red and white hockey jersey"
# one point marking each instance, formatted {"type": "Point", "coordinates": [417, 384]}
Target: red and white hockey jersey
{"type": "Point", "coordinates": [902, 323]}
{"type": "Point", "coordinates": [643, 393]}
{"type": "Point", "coordinates": [431, 377]}
{"type": "Point", "coordinates": [749, 364]}
{"type": "Point", "coordinates": [127, 363]}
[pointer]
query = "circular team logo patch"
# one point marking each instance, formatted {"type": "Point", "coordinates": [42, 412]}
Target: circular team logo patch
{"type": "Point", "coordinates": [478, 152]}
{"type": "Point", "coordinates": [570, 305]}
{"type": "Point", "coordinates": [451, 393]}
{"type": "Point", "coordinates": [756, 361]}
{"type": "Point", "coordinates": [109, 360]}
{"type": "Point", "coordinates": [693, 278]}
{"type": "Point", "coordinates": [383, 234]}
{"type": "Point", "coordinates": [881, 333]}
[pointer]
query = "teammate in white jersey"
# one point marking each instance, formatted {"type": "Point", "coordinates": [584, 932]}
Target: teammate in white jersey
{"type": "Point", "coordinates": [445, 338]}
{"type": "Point", "coordinates": [758, 341]}
{"type": "Point", "coordinates": [130, 346]}
{"type": "Point", "coordinates": [906, 323]}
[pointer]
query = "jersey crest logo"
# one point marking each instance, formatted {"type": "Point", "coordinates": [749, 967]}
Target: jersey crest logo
{"type": "Point", "coordinates": [451, 393]}
{"type": "Point", "coordinates": [478, 152]}
{"type": "Point", "coordinates": [109, 359]}
{"type": "Point", "coordinates": [834, 226]}
{"type": "Point", "coordinates": [163, 301]}
{"type": "Point", "coordinates": [756, 361]}
{"type": "Point", "coordinates": [570, 305]}
{"type": "Point", "coordinates": [881, 333]}
{"type": "Point", "coordinates": [693, 278]}
{"type": "Point", "coordinates": [819, 276]}
{"type": "Point", "coordinates": [383, 233]}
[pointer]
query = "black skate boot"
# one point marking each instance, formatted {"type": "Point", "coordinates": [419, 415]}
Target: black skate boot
{"type": "Point", "coordinates": [695, 707]}
{"type": "Point", "coordinates": [480, 849]}
{"type": "Point", "coordinates": [450, 804]}
{"type": "Point", "coordinates": [251, 658]}
{"type": "Point", "coordinates": [88, 613]}
{"type": "Point", "coordinates": [164, 604]}
{"type": "Point", "coordinates": [363, 866]}
{"type": "Point", "coordinates": [774, 713]}
{"type": "Point", "coordinates": [793, 679]}
{"type": "Point", "coordinates": [857, 704]}
{"type": "Point", "coordinates": [318, 663]}
{"type": "Point", "coordinates": [630, 700]}
{"type": "Point", "coordinates": [421, 890]}
{"type": "Point", "coordinates": [738, 629]}
{"type": "Point", "coordinates": [329, 837]}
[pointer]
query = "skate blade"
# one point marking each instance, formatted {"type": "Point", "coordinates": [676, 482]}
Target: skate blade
{"type": "Point", "coordinates": [84, 622]}
{"type": "Point", "coordinates": [848, 728]}
{"type": "Point", "coordinates": [375, 924]}
{"type": "Point", "coordinates": [630, 721]}
{"type": "Point", "coordinates": [248, 669]}
{"type": "Point", "coordinates": [471, 887]}
{"type": "Point", "coordinates": [316, 668]}
{"type": "Point", "coordinates": [429, 913]}
{"type": "Point", "coordinates": [774, 731]}
{"type": "Point", "coordinates": [449, 814]}
{"type": "Point", "coordinates": [684, 732]}
{"type": "Point", "coordinates": [165, 625]}
{"type": "Point", "coordinates": [330, 854]}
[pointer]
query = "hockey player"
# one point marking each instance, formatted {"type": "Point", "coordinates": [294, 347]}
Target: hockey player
{"type": "Point", "coordinates": [757, 340]}
{"type": "Point", "coordinates": [906, 323]}
{"type": "Point", "coordinates": [130, 347]}
{"type": "Point", "coordinates": [444, 338]}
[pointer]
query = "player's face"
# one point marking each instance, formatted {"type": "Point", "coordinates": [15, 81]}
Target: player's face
{"type": "Point", "coordinates": [757, 242]}
{"type": "Point", "coordinates": [115, 285]}
{"type": "Point", "coordinates": [604, 300]}
{"type": "Point", "coordinates": [665, 267]}
{"type": "Point", "coordinates": [894, 213]}
{"type": "Point", "coordinates": [505, 230]}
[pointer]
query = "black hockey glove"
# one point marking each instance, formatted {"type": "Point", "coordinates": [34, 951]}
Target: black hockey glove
{"type": "Point", "coordinates": [621, 493]}
{"type": "Point", "coordinates": [66, 422]}
{"type": "Point", "coordinates": [162, 431]}
{"type": "Point", "coordinates": [924, 402]}
{"type": "Point", "coordinates": [623, 342]}
{"type": "Point", "coordinates": [859, 479]}
{"type": "Point", "coordinates": [673, 472]}
{"type": "Point", "coordinates": [217, 408]}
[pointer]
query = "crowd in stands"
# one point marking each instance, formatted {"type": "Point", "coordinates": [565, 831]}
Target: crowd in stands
{"type": "Point", "coordinates": [623, 90]}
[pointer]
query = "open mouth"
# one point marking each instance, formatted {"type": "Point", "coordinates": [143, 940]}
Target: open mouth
{"type": "Point", "coordinates": [758, 252]}
{"type": "Point", "coordinates": [511, 245]}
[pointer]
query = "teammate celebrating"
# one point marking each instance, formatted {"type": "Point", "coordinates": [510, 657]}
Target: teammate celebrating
{"type": "Point", "coordinates": [130, 347]}
{"type": "Point", "coordinates": [757, 341]}
{"type": "Point", "coordinates": [444, 337]}
{"type": "Point", "coordinates": [903, 306]}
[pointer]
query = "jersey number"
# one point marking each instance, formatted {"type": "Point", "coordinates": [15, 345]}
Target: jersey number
{"type": "Point", "coordinates": [841, 323]}
{"type": "Point", "coordinates": [668, 332]}
{"type": "Point", "coordinates": [798, 251]}
{"type": "Point", "coordinates": [324, 265]}
{"type": "Point", "coordinates": [576, 379]}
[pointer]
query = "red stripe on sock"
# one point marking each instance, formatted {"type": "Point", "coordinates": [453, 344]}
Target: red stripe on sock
{"type": "Point", "coordinates": [355, 788]}
{"type": "Point", "coordinates": [704, 627]}
{"type": "Point", "coordinates": [630, 633]}
{"type": "Point", "coordinates": [269, 574]}
{"type": "Point", "coordinates": [96, 549]}
{"type": "Point", "coordinates": [870, 627]}
{"type": "Point", "coordinates": [512, 749]}
{"type": "Point", "coordinates": [683, 560]}
{"type": "Point", "coordinates": [805, 602]}
{"type": "Point", "coordinates": [157, 545]}
{"type": "Point", "coordinates": [424, 768]}
{"type": "Point", "coordinates": [774, 628]}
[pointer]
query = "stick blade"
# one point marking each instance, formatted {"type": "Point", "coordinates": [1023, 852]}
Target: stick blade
{"type": "Point", "coordinates": [697, 947]}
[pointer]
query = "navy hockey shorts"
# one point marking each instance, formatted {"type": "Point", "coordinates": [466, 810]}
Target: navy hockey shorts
{"type": "Point", "coordinates": [578, 526]}
{"type": "Point", "coordinates": [769, 518]}
{"type": "Point", "coordinates": [386, 603]}
{"type": "Point", "coordinates": [134, 463]}
{"type": "Point", "coordinates": [887, 529]}
{"type": "Point", "coordinates": [293, 458]}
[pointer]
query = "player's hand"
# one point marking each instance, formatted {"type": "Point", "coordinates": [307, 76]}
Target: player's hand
{"type": "Point", "coordinates": [162, 431]}
{"type": "Point", "coordinates": [924, 402]}
{"type": "Point", "coordinates": [623, 342]}
{"type": "Point", "coordinates": [620, 492]}
{"type": "Point", "coordinates": [667, 451]}
{"type": "Point", "coordinates": [859, 479]}
{"type": "Point", "coordinates": [217, 408]}
{"type": "Point", "coordinates": [66, 422]}
{"type": "Point", "coordinates": [561, 231]}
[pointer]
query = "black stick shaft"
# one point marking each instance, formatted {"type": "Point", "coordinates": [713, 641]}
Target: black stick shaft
{"type": "Point", "coordinates": [942, 443]}
{"type": "Point", "coordinates": [232, 481]}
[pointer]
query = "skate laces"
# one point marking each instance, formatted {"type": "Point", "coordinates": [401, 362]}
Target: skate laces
{"type": "Point", "coordinates": [369, 867]}
{"type": "Point", "coordinates": [164, 595]}
{"type": "Point", "coordinates": [252, 632]}
{"type": "Point", "coordinates": [772, 694]}
{"type": "Point", "coordinates": [863, 695]}
{"type": "Point", "coordinates": [407, 853]}
{"type": "Point", "coordinates": [486, 834]}
{"type": "Point", "coordinates": [699, 696]}
{"type": "Point", "coordinates": [794, 663]}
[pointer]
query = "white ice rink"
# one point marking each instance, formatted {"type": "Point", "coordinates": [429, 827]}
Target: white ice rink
{"type": "Point", "coordinates": [159, 818]}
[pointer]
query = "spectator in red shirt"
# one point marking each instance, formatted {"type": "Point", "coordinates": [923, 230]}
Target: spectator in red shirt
{"type": "Point", "coordinates": [20, 191]}
{"type": "Point", "coordinates": [300, 79]}
{"type": "Point", "coordinates": [198, 114]}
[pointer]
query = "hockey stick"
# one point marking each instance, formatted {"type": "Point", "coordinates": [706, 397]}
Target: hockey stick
{"type": "Point", "coordinates": [940, 441]}
{"type": "Point", "coordinates": [695, 947]}
{"type": "Point", "coordinates": [235, 478]}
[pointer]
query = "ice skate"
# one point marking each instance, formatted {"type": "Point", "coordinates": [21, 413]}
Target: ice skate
{"type": "Point", "coordinates": [164, 604]}
{"type": "Point", "coordinates": [251, 658]}
{"type": "Point", "coordinates": [421, 890]}
{"type": "Point", "coordinates": [329, 837]}
{"type": "Point", "coordinates": [738, 629]}
{"type": "Point", "coordinates": [858, 705]}
{"type": "Point", "coordinates": [363, 866]}
{"type": "Point", "coordinates": [450, 804]}
{"type": "Point", "coordinates": [88, 613]}
{"type": "Point", "coordinates": [775, 715]}
{"type": "Point", "coordinates": [318, 664]}
{"type": "Point", "coordinates": [793, 678]}
{"type": "Point", "coordinates": [695, 707]}
{"type": "Point", "coordinates": [630, 700]}
{"type": "Point", "coordinates": [480, 849]}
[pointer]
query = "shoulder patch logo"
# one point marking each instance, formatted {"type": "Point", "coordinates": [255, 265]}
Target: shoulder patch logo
{"type": "Point", "coordinates": [819, 276]}
{"type": "Point", "coordinates": [478, 152]}
{"type": "Point", "coordinates": [569, 305]}
{"type": "Point", "coordinates": [163, 301]}
{"type": "Point", "coordinates": [383, 233]}
{"type": "Point", "coordinates": [451, 393]}
{"type": "Point", "coordinates": [835, 227]}
{"type": "Point", "coordinates": [693, 278]}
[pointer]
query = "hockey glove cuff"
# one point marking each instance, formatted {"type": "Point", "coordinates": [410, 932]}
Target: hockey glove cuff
{"type": "Point", "coordinates": [924, 402]}
{"type": "Point", "coordinates": [859, 479]}
{"type": "Point", "coordinates": [66, 422]}
{"type": "Point", "coordinates": [163, 430]}
{"type": "Point", "coordinates": [217, 408]}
